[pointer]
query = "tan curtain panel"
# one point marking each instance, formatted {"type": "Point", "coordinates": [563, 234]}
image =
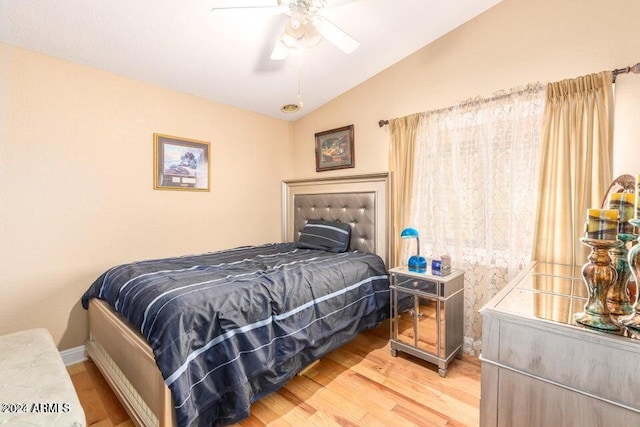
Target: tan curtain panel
{"type": "Point", "coordinates": [401, 163]}
{"type": "Point", "coordinates": [575, 164]}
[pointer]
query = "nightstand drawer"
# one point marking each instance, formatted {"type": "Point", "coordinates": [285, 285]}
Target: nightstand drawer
{"type": "Point", "coordinates": [422, 285]}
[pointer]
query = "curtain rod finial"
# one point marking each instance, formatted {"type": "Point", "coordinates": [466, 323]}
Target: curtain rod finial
{"type": "Point", "coordinates": [383, 122]}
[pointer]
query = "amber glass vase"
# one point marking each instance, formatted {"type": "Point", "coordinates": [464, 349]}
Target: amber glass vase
{"type": "Point", "coordinates": [599, 275]}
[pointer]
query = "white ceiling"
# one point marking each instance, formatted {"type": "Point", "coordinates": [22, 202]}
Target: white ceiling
{"type": "Point", "coordinates": [224, 57]}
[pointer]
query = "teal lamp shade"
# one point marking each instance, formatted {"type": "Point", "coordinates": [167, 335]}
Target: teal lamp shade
{"type": "Point", "coordinates": [416, 262]}
{"type": "Point", "coordinates": [410, 232]}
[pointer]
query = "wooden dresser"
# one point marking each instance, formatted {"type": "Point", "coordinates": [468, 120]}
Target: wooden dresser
{"type": "Point", "coordinates": [541, 368]}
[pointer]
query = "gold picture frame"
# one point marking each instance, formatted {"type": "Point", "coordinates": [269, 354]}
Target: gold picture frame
{"type": "Point", "coordinates": [334, 149]}
{"type": "Point", "coordinates": [180, 163]}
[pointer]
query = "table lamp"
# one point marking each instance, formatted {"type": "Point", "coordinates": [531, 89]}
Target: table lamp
{"type": "Point", "coordinates": [416, 262]}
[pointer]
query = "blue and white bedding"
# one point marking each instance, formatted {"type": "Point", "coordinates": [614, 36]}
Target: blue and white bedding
{"type": "Point", "coordinates": [229, 327]}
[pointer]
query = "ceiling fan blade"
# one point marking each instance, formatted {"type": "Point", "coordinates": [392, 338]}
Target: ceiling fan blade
{"type": "Point", "coordinates": [280, 51]}
{"type": "Point", "coordinates": [243, 7]}
{"type": "Point", "coordinates": [335, 35]}
{"type": "Point", "coordinates": [248, 4]}
{"type": "Point", "coordinates": [338, 3]}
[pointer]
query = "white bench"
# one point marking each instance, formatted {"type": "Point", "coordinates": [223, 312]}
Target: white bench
{"type": "Point", "coordinates": [35, 388]}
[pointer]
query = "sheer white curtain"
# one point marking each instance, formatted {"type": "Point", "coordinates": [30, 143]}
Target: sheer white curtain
{"type": "Point", "coordinates": [474, 191]}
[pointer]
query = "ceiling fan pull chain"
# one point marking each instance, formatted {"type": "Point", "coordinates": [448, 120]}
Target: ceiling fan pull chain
{"type": "Point", "coordinates": [300, 78]}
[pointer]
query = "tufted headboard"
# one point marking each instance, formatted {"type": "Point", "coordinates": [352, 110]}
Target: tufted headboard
{"type": "Point", "coordinates": [361, 201]}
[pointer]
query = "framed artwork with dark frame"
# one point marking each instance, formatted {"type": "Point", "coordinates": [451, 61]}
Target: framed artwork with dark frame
{"type": "Point", "coordinates": [334, 149]}
{"type": "Point", "coordinates": [180, 163]}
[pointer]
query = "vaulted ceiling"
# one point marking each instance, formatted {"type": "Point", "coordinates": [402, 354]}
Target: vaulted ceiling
{"type": "Point", "coordinates": [224, 56]}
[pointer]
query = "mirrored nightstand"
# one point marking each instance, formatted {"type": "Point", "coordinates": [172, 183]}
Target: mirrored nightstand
{"type": "Point", "coordinates": [427, 315]}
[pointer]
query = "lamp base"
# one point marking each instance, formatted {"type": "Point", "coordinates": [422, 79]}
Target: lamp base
{"type": "Point", "coordinates": [417, 264]}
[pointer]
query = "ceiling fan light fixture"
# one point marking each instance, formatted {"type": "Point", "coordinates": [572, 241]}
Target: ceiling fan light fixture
{"type": "Point", "coordinates": [295, 22]}
{"type": "Point", "coordinates": [305, 28]}
{"type": "Point", "coordinates": [289, 41]}
{"type": "Point", "coordinates": [314, 6]}
{"type": "Point", "coordinates": [294, 26]}
{"type": "Point", "coordinates": [311, 35]}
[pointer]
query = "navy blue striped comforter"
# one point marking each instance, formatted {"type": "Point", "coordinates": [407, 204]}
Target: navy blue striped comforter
{"type": "Point", "coordinates": [229, 327]}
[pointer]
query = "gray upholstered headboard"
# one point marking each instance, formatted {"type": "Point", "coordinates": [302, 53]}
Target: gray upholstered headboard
{"type": "Point", "coordinates": [357, 209]}
{"type": "Point", "coordinates": [361, 201]}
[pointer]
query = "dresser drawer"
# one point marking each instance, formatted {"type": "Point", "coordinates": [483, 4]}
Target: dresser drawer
{"type": "Point", "coordinates": [422, 285]}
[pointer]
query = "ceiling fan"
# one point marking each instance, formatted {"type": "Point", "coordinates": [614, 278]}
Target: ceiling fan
{"type": "Point", "coordinates": [305, 27]}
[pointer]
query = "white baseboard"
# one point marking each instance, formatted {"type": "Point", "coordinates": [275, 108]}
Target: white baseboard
{"type": "Point", "coordinates": [74, 355]}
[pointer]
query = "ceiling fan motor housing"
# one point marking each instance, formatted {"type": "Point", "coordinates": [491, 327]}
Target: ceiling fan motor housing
{"type": "Point", "coordinates": [306, 28]}
{"type": "Point", "coordinates": [307, 8]}
{"type": "Point", "coordinates": [300, 30]}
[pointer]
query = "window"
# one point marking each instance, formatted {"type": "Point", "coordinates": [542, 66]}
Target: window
{"type": "Point", "coordinates": [475, 180]}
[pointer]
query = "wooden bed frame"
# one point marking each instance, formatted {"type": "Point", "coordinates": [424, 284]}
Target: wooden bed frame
{"type": "Point", "coordinates": [125, 358]}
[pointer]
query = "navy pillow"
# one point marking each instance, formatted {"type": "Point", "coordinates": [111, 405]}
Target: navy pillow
{"type": "Point", "coordinates": [326, 235]}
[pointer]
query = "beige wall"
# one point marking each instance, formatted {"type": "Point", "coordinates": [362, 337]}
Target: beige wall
{"type": "Point", "coordinates": [76, 147]}
{"type": "Point", "coordinates": [514, 43]}
{"type": "Point", "coordinates": [76, 184]}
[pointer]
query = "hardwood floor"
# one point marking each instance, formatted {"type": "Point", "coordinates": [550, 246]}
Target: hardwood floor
{"type": "Point", "coordinates": [359, 384]}
{"type": "Point", "coordinates": [101, 406]}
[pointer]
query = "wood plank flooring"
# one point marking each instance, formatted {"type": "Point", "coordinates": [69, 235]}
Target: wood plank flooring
{"type": "Point", "coordinates": [359, 384]}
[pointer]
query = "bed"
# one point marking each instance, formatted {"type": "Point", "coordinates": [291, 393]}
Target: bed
{"type": "Point", "coordinates": [256, 315]}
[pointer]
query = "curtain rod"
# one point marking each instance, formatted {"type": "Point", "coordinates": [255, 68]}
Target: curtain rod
{"type": "Point", "coordinates": [471, 101]}
{"type": "Point", "coordinates": [631, 69]}
{"type": "Point", "coordinates": [635, 69]}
